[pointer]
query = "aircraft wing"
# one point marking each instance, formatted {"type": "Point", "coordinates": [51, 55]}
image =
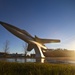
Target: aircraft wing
{"type": "Point", "coordinates": [49, 41]}
{"type": "Point", "coordinates": [43, 41]}
{"type": "Point", "coordinates": [30, 47]}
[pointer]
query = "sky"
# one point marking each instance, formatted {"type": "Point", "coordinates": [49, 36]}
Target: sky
{"type": "Point", "coordinates": [52, 19]}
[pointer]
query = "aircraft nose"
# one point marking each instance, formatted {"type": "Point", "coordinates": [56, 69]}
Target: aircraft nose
{"type": "Point", "coordinates": [1, 22]}
{"type": "Point", "coordinates": [5, 25]}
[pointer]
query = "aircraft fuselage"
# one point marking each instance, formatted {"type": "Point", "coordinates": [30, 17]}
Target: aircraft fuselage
{"type": "Point", "coordinates": [22, 34]}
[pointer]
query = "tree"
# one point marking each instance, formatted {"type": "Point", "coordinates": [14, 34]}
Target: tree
{"type": "Point", "coordinates": [6, 47]}
{"type": "Point", "coordinates": [25, 49]}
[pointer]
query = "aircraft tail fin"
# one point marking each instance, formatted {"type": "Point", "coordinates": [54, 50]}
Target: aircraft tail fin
{"type": "Point", "coordinates": [37, 39]}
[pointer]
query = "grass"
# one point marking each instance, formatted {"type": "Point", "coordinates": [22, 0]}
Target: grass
{"type": "Point", "coordinates": [8, 68]}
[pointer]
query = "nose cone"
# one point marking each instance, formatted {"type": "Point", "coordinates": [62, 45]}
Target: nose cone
{"type": "Point", "coordinates": [14, 30]}
{"type": "Point", "coordinates": [9, 27]}
{"type": "Point", "coordinates": [5, 25]}
{"type": "Point", "coordinates": [1, 22]}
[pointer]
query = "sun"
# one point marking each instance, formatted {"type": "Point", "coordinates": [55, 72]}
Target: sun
{"type": "Point", "coordinates": [71, 45]}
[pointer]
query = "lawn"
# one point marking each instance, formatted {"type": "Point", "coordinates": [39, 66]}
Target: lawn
{"type": "Point", "coordinates": [12, 68]}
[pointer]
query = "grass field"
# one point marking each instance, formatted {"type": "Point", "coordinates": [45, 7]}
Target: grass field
{"type": "Point", "coordinates": [8, 68]}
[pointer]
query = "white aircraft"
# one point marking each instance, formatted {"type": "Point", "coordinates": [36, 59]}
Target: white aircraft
{"type": "Point", "coordinates": [33, 42]}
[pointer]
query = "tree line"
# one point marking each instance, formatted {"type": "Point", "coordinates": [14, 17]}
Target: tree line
{"type": "Point", "coordinates": [60, 53]}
